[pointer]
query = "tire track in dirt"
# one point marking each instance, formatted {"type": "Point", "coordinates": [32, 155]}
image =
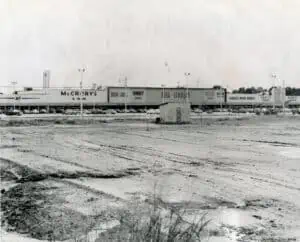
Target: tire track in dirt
{"type": "Point", "coordinates": [155, 154]}
{"type": "Point", "coordinates": [130, 152]}
{"type": "Point", "coordinates": [150, 153]}
{"type": "Point", "coordinates": [59, 160]}
{"type": "Point", "coordinates": [151, 137]}
{"type": "Point", "coordinates": [260, 177]}
{"type": "Point", "coordinates": [27, 174]}
{"type": "Point", "coordinates": [275, 143]}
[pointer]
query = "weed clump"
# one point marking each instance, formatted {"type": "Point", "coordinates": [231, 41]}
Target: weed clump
{"type": "Point", "coordinates": [159, 224]}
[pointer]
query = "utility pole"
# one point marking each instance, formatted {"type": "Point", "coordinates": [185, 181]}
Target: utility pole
{"type": "Point", "coordinates": [81, 71]}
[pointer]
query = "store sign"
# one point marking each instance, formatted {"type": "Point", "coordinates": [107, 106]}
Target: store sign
{"type": "Point", "coordinates": [175, 94]}
{"type": "Point", "coordinates": [78, 93]}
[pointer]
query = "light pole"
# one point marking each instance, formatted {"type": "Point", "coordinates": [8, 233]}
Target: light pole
{"type": "Point", "coordinates": [163, 93]}
{"type": "Point", "coordinates": [187, 74]}
{"type": "Point", "coordinates": [14, 83]}
{"type": "Point", "coordinates": [283, 96]}
{"type": "Point", "coordinates": [81, 71]}
{"type": "Point", "coordinates": [273, 76]}
{"type": "Point", "coordinates": [124, 82]}
{"type": "Point", "coordinates": [221, 102]}
{"type": "Point", "coordinates": [163, 86]}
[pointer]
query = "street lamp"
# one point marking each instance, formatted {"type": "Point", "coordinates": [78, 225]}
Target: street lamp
{"type": "Point", "coordinates": [81, 71]}
{"type": "Point", "coordinates": [187, 74]}
{"type": "Point", "coordinates": [14, 83]}
{"type": "Point", "coordinates": [274, 77]}
{"type": "Point", "coordinates": [163, 86]}
{"type": "Point", "coordinates": [124, 82]}
{"type": "Point", "coordinates": [283, 96]}
{"type": "Point", "coordinates": [163, 96]}
{"type": "Point", "coordinates": [221, 100]}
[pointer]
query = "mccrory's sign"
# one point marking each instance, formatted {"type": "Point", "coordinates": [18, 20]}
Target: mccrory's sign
{"type": "Point", "coordinates": [78, 93]}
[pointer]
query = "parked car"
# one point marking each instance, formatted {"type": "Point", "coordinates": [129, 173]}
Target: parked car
{"type": "Point", "coordinates": [97, 111]}
{"type": "Point", "coordinates": [273, 111]}
{"type": "Point", "coordinates": [110, 111]}
{"type": "Point", "coordinates": [52, 110]}
{"type": "Point", "coordinates": [140, 110]}
{"type": "Point", "coordinates": [12, 112]}
{"type": "Point", "coordinates": [131, 110]}
{"type": "Point", "coordinates": [35, 111]}
{"type": "Point", "coordinates": [150, 111]}
{"type": "Point", "coordinates": [71, 112]}
{"type": "Point", "coordinates": [198, 110]}
{"type": "Point", "coordinates": [153, 111]}
{"type": "Point", "coordinates": [27, 111]}
{"type": "Point", "coordinates": [43, 111]}
{"type": "Point", "coordinates": [86, 111]}
{"type": "Point", "coordinates": [60, 110]}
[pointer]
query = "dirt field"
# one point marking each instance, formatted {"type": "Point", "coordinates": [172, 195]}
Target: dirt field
{"type": "Point", "coordinates": [244, 174]}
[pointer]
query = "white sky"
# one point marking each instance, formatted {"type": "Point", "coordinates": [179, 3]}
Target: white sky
{"type": "Point", "coordinates": [230, 42]}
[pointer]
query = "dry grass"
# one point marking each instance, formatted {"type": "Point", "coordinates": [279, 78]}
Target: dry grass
{"type": "Point", "coordinates": [156, 224]}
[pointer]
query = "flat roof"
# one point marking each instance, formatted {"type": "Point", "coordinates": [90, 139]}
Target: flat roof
{"type": "Point", "coordinates": [140, 87]}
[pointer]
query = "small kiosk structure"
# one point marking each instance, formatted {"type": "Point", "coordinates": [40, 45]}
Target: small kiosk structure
{"type": "Point", "coordinates": [175, 113]}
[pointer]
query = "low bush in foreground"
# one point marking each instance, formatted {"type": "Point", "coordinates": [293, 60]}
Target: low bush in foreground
{"type": "Point", "coordinates": [156, 225]}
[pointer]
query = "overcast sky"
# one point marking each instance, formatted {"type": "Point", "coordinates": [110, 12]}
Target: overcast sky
{"type": "Point", "coordinates": [229, 42]}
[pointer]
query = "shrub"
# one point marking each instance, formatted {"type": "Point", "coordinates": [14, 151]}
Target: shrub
{"type": "Point", "coordinates": [158, 224]}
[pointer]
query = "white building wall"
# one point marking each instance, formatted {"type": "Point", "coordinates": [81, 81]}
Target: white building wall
{"type": "Point", "coordinates": [243, 99]}
{"type": "Point", "coordinates": [277, 97]}
{"type": "Point", "coordinates": [293, 100]}
{"type": "Point", "coordinates": [55, 97]}
{"type": "Point", "coordinates": [156, 96]}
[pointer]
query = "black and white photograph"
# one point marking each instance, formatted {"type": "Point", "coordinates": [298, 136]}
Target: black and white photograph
{"type": "Point", "coordinates": [150, 120]}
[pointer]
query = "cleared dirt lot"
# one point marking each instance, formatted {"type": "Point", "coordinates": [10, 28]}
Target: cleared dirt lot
{"type": "Point", "coordinates": [245, 174]}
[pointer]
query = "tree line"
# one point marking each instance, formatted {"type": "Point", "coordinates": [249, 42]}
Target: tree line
{"type": "Point", "coordinates": [290, 91]}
